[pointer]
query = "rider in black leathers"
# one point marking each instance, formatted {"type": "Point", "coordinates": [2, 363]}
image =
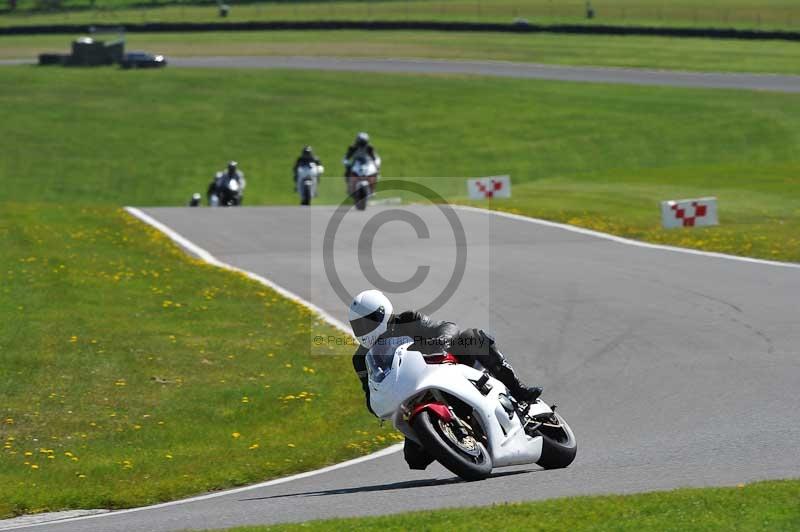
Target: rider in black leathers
{"type": "Point", "coordinates": [360, 147]}
{"type": "Point", "coordinates": [306, 156]}
{"type": "Point", "coordinates": [469, 346]}
{"type": "Point", "coordinates": [231, 172]}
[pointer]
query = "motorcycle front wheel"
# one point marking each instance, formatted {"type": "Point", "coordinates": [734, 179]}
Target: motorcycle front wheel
{"type": "Point", "coordinates": [463, 455]}
{"type": "Point", "coordinates": [360, 196]}
{"type": "Point", "coordinates": [305, 194]}
{"type": "Point", "coordinates": [559, 446]}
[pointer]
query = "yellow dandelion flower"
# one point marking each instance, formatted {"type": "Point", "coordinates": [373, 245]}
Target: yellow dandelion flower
{"type": "Point", "coordinates": [235, 435]}
{"type": "Point", "coordinates": [245, 399]}
{"type": "Point", "coordinates": [253, 447]}
{"type": "Point", "coordinates": [74, 458]}
{"type": "Point", "coordinates": [28, 453]}
{"type": "Point", "coordinates": [34, 466]}
{"type": "Point", "coordinates": [73, 339]}
{"type": "Point", "coordinates": [287, 365]}
{"type": "Point", "coordinates": [168, 456]}
{"type": "Point", "coordinates": [290, 445]}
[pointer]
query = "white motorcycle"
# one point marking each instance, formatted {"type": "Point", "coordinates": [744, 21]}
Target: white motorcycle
{"type": "Point", "coordinates": [307, 179]}
{"type": "Point", "coordinates": [361, 180]}
{"type": "Point", "coordinates": [227, 191]}
{"type": "Point", "coordinates": [463, 417]}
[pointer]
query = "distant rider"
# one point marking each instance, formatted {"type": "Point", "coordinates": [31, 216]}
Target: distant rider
{"type": "Point", "coordinates": [372, 321]}
{"type": "Point", "coordinates": [221, 177]}
{"type": "Point", "coordinates": [306, 157]}
{"type": "Point", "coordinates": [360, 148]}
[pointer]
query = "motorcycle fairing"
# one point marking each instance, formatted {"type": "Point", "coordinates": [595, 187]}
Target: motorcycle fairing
{"type": "Point", "coordinates": [411, 376]}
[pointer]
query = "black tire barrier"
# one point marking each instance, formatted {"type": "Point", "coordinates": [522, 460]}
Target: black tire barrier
{"type": "Point", "coordinates": [519, 27]}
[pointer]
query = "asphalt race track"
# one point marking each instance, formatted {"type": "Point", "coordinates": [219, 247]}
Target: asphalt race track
{"type": "Point", "coordinates": [674, 369]}
{"type": "Point", "coordinates": [630, 76]}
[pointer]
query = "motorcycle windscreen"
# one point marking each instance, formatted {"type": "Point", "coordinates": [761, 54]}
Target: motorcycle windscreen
{"type": "Point", "coordinates": [379, 360]}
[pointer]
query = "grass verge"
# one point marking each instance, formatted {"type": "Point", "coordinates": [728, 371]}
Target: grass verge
{"type": "Point", "coordinates": [593, 155]}
{"type": "Point", "coordinates": [633, 52]}
{"type": "Point", "coordinates": [133, 374]}
{"type": "Point", "coordinates": [768, 506]}
{"type": "Point", "coordinates": [719, 13]}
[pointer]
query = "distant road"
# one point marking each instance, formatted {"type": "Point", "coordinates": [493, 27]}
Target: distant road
{"type": "Point", "coordinates": [628, 76]}
{"type": "Point", "coordinates": [506, 69]}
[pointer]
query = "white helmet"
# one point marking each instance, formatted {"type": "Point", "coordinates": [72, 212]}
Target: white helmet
{"type": "Point", "coordinates": [369, 316]}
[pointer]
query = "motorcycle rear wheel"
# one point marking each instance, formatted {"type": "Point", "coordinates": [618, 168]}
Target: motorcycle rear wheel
{"type": "Point", "coordinates": [468, 459]}
{"type": "Point", "coordinates": [559, 446]}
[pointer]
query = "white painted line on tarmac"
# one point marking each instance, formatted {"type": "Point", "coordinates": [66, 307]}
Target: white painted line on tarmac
{"type": "Point", "coordinates": [203, 254]}
{"type": "Point", "coordinates": [628, 241]}
{"type": "Point", "coordinates": [25, 521]}
{"type": "Point", "coordinates": [380, 454]}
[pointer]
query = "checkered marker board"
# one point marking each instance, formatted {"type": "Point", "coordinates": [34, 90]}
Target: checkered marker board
{"type": "Point", "coordinates": [489, 187]}
{"type": "Point", "coordinates": [689, 213]}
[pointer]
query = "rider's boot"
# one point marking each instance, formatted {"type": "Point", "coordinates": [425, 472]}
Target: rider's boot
{"type": "Point", "coordinates": [500, 369]}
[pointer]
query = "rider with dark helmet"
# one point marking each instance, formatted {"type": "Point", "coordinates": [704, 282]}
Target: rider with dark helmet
{"type": "Point", "coordinates": [306, 157]}
{"type": "Point", "coordinates": [371, 319]}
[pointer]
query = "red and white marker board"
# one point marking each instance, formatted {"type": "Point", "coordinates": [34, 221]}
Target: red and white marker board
{"type": "Point", "coordinates": [489, 187]}
{"type": "Point", "coordinates": [689, 213]}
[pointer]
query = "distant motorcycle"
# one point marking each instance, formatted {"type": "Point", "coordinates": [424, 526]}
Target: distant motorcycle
{"type": "Point", "coordinates": [307, 179]}
{"type": "Point", "coordinates": [361, 180]}
{"type": "Point", "coordinates": [227, 191]}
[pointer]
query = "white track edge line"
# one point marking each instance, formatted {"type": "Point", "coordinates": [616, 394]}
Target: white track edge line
{"type": "Point", "coordinates": [209, 258]}
{"type": "Point", "coordinates": [628, 241]}
{"type": "Point", "coordinates": [379, 454]}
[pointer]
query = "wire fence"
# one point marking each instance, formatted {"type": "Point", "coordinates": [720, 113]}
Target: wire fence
{"type": "Point", "coordinates": [592, 12]}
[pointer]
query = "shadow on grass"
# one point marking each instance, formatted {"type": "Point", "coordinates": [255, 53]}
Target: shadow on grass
{"type": "Point", "coordinates": [387, 487]}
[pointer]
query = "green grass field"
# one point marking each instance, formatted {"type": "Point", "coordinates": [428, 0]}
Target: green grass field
{"type": "Point", "coordinates": [637, 52]}
{"type": "Point", "coordinates": [713, 13]}
{"type": "Point", "coordinates": [763, 506]}
{"type": "Point", "coordinates": [132, 374]}
{"type": "Point", "coordinates": [594, 155]}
